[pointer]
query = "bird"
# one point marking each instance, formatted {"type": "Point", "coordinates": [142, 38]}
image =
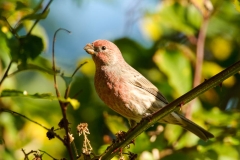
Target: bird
{"type": "Point", "coordinates": [128, 92]}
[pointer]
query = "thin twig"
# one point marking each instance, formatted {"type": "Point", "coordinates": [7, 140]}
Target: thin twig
{"type": "Point", "coordinates": [27, 154]}
{"type": "Point", "coordinates": [75, 95]}
{"type": "Point", "coordinates": [48, 154]}
{"type": "Point", "coordinates": [198, 63]}
{"type": "Point", "coordinates": [19, 114]}
{"type": "Point", "coordinates": [63, 106]}
{"type": "Point", "coordinates": [68, 87]}
{"type": "Point", "coordinates": [12, 30]}
{"type": "Point", "coordinates": [45, 9]}
{"type": "Point", "coordinates": [53, 62]}
{"type": "Point", "coordinates": [6, 73]}
{"type": "Point", "coordinates": [199, 56]}
{"type": "Point", "coordinates": [78, 68]}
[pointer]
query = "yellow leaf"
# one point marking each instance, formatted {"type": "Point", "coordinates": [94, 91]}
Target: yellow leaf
{"type": "Point", "coordinates": [210, 69]}
{"type": "Point", "coordinates": [237, 5]}
{"type": "Point", "coordinates": [75, 103]}
{"type": "Point", "coordinates": [89, 68]}
{"type": "Point", "coordinates": [151, 28]}
{"type": "Point", "coordinates": [221, 48]}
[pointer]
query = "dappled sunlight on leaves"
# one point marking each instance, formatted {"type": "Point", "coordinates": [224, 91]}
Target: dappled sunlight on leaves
{"type": "Point", "coordinates": [171, 29]}
{"type": "Point", "coordinates": [176, 67]}
{"type": "Point", "coordinates": [211, 68]}
{"type": "Point", "coordinates": [115, 123]}
{"type": "Point", "coordinates": [223, 49]}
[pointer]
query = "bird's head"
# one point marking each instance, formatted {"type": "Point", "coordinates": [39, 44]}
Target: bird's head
{"type": "Point", "coordinates": [104, 53]}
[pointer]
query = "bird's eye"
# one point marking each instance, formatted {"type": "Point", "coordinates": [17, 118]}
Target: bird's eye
{"type": "Point", "coordinates": [103, 47]}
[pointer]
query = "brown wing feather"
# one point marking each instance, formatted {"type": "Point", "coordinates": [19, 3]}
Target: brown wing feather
{"type": "Point", "coordinates": [143, 83]}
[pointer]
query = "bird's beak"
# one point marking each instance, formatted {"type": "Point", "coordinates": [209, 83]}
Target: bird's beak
{"type": "Point", "coordinates": [89, 49]}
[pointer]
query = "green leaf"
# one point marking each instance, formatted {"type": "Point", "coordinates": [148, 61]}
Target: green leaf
{"type": "Point", "coordinates": [74, 102]}
{"type": "Point", "coordinates": [36, 16]}
{"type": "Point", "coordinates": [174, 16]}
{"type": "Point", "coordinates": [4, 48]}
{"type": "Point", "coordinates": [114, 123]}
{"type": "Point", "coordinates": [30, 47]}
{"type": "Point", "coordinates": [18, 93]}
{"type": "Point", "coordinates": [172, 133]}
{"type": "Point", "coordinates": [39, 31]}
{"type": "Point", "coordinates": [177, 68]}
{"type": "Point", "coordinates": [2, 141]}
{"type": "Point", "coordinates": [14, 46]}
{"type": "Point", "coordinates": [237, 5]}
{"type": "Point", "coordinates": [224, 151]}
{"type": "Point", "coordinates": [133, 51]}
{"type": "Point", "coordinates": [67, 80]}
{"type": "Point", "coordinates": [20, 5]}
{"type": "Point", "coordinates": [34, 67]}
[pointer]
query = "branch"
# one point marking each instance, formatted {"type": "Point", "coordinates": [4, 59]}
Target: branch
{"type": "Point", "coordinates": [45, 9]}
{"type": "Point", "coordinates": [12, 30]}
{"type": "Point", "coordinates": [146, 123]}
{"type": "Point", "coordinates": [68, 87]}
{"type": "Point", "coordinates": [199, 61]}
{"type": "Point", "coordinates": [63, 106]}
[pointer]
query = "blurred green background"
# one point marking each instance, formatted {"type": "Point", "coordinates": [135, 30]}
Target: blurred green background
{"type": "Point", "coordinates": [158, 38]}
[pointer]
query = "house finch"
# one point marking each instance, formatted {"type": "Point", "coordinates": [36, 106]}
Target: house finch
{"type": "Point", "coordinates": [128, 92]}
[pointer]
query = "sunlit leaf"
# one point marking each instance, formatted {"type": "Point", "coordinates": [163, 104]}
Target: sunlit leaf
{"type": "Point", "coordinates": [177, 67]}
{"type": "Point", "coordinates": [237, 5]}
{"type": "Point", "coordinates": [34, 67]}
{"type": "Point", "coordinates": [172, 133]}
{"type": "Point", "coordinates": [115, 123]}
{"type": "Point", "coordinates": [143, 138]}
{"type": "Point", "coordinates": [4, 47]}
{"type": "Point", "coordinates": [17, 93]}
{"type": "Point", "coordinates": [36, 16]}
{"type": "Point", "coordinates": [221, 48]}
{"type": "Point", "coordinates": [74, 102]}
{"type": "Point", "coordinates": [171, 16]}
{"type": "Point", "coordinates": [14, 93]}
{"type": "Point", "coordinates": [211, 68]}
{"type": "Point", "coordinates": [151, 29]}
{"type": "Point", "coordinates": [187, 140]}
{"type": "Point", "coordinates": [89, 68]}
{"type": "Point", "coordinates": [224, 151]}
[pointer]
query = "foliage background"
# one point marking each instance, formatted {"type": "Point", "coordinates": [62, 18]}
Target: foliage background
{"type": "Point", "coordinates": [159, 40]}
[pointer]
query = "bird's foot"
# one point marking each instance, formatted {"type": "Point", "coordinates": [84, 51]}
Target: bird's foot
{"type": "Point", "coordinates": [120, 136]}
{"type": "Point", "coordinates": [147, 117]}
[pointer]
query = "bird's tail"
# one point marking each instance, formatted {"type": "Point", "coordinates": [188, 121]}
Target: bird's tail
{"type": "Point", "coordinates": [195, 129]}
